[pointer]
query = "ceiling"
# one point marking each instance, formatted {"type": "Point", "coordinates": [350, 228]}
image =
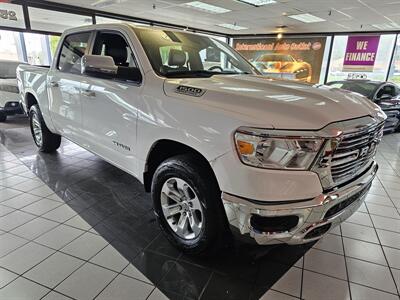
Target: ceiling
{"type": "Point", "coordinates": [340, 15]}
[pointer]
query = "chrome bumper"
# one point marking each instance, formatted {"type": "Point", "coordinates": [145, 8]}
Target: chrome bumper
{"type": "Point", "coordinates": [311, 212]}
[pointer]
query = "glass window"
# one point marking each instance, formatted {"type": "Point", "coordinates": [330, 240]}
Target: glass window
{"type": "Point", "coordinates": [380, 67]}
{"type": "Point", "coordinates": [37, 49]}
{"type": "Point", "coordinates": [55, 21]}
{"type": "Point", "coordinates": [114, 45]}
{"type": "Point", "coordinates": [11, 15]}
{"type": "Point", "coordinates": [10, 45]}
{"type": "Point", "coordinates": [72, 51]}
{"type": "Point", "coordinates": [394, 74]}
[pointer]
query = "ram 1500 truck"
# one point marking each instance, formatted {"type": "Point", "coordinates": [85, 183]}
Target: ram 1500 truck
{"type": "Point", "coordinates": [215, 143]}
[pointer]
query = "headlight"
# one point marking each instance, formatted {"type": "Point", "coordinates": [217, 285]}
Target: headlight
{"type": "Point", "coordinates": [271, 150]}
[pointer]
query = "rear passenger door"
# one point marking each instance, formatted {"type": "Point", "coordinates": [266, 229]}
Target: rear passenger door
{"type": "Point", "coordinates": [64, 85]}
{"type": "Point", "coordinates": [109, 104]}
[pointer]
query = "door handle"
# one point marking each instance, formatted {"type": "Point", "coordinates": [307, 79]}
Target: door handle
{"type": "Point", "coordinates": [88, 93]}
{"type": "Point", "coordinates": [53, 84]}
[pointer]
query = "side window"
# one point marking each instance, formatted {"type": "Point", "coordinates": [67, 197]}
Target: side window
{"type": "Point", "coordinates": [72, 50]}
{"type": "Point", "coordinates": [114, 45]}
{"type": "Point", "coordinates": [386, 90]}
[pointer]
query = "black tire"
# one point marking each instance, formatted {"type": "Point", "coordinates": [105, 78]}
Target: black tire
{"type": "Point", "coordinates": [3, 116]}
{"type": "Point", "coordinates": [215, 233]}
{"type": "Point", "coordinates": [50, 142]}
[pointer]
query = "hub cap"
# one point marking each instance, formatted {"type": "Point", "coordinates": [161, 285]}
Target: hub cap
{"type": "Point", "coordinates": [37, 130]}
{"type": "Point", "coordinates": [181, 208]}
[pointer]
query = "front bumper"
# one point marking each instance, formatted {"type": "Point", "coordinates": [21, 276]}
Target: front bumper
{"type": "Point", "coordinates": [12, 108]}
{"type": "Point", "coordinates": [315, 216]}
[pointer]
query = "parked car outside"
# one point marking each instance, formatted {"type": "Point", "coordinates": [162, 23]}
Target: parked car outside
{"type": "Point", "coordinates": [385, 94]}
{"type": "Point", "coordinates": [283, 66]}
{"type": "Point", "coordinates": [222, 149]}
{"type": "Point", "coordinates": [9, 93]}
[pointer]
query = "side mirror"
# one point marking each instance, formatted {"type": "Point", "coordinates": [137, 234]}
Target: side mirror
{"type": "Point", "coordinates": [99, 66]}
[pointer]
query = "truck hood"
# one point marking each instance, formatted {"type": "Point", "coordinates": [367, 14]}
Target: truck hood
{"type": "Point", "coordinates": [260, 101]}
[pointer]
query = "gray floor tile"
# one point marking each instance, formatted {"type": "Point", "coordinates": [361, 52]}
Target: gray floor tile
{"type": "Point", "coordinates": [290, 282]}
{"type": "Point", "coordinates": [359, 232]}
{"type": "Point", "coordinates": [86, 282]}
{"type": "Point", "coordinates": [364, 250]}
{"type": "Point", "coordinates": [317, 287]}
{"type": "Point", "coordinates": [21, 200]}
{"type": "Point", "coordinates": [54, 269]}
{"type": "Point", "coordinates": [8, 193]}
{"type": "Point", "coordinates": [42, 206]}
{"type": "Point", "coordinates": [330, 242]}
{"type": "Point", "coordinates": [59, 236]}
{"type": "Point", "coordinates": [388, 238]}
{"type": "Point", "coordinates": [359, 292]}
{"type": "Point", "coordinates": [5, 210]}
{"type": "Point", "coordinates": [6, 277]}
{"type": "Point", "coordinates": [370, 274]}
{"type": "Point", "coordinates": [14, 219]}
{"type": "Point", "coordinates": [393, 257]}
{"type": "Point", "coordinates": [381, 200]}
{"type": "Point", "coordinates": [361, 219]}
{"type": "Point", "coordinates": [124, 287]}
{"type": "Point", "coordinates": [158, 295]}
{"type": "Point", "coordinates": [132, 271]}
{"type": "Point", "coordinates": [55, 296]}
{"type": "Point", "coordinates": [60, 214]}
{"type": "Point", "coordinates": [23, 289]}
{"type": "Point", "coordinates": [110, 258]}
{"type": "Point", "coordinates": [10, 242]}
{"type": "Point", "coordinates": [384, 211]}
{"type": "Point", "coordinates": [386, 223]}
{"type": "Point", "coordinates": [85, 246]}
{"type": "Point", "coordinates": [25, 257]}
{"type": "Point", "coordinates": [396, 275]}
{"type": "Point", "coordinates": [325, 263]}
{"type": "Point", "coordinates": [79, 223]}
{"type": "Point", "coordinates": [34, 228]}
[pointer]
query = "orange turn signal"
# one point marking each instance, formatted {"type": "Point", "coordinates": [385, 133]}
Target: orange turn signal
{"type": "Point", "coordinates": [245, 148]}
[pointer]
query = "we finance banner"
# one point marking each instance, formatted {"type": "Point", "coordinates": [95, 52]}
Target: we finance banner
{"type": "Point", "coordinates": [360, 53]}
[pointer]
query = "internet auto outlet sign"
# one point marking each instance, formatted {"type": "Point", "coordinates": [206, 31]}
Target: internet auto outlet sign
{"type": "Point", "coordinates": [360, 53]}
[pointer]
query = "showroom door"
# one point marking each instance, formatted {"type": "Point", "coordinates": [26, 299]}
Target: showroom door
{"type": "Point", "coordinates": [109, 105]}
{"type": "Point", "coordinates": [64, 85]}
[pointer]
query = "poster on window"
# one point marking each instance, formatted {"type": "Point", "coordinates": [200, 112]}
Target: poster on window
{"type": "Point", "coordinates": [360, 53]}
{"type": "Point", "coordinates": [298, 59]}
{"type": "Point", "coordinates": [11, 15]}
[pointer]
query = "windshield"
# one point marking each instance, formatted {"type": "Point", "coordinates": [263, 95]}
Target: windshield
{"type": "Point", "coordinates": [366, 89]}
{"type": "Point", "coordinates": [182, 54]}
{"type": "Point", "coordinates": [275, 57]}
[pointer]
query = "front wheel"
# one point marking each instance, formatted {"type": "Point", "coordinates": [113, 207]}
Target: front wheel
{"type": "Point", "coordinates": [188, 205]}
{"type": "Point", "coordinates": [44, 139]}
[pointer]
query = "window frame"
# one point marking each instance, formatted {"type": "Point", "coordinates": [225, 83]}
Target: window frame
{"type": "Point", "coordinates": [90, 40]}
{"type": "Point", "coordinates": [96, 32]}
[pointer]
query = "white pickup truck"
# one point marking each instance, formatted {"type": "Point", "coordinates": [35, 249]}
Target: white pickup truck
{"type": "Point", "coordinates": [215, 143]}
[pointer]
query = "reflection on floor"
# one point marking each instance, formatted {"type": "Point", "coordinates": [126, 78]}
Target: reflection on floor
{"type": "Point", "coordinates": [118, 236]}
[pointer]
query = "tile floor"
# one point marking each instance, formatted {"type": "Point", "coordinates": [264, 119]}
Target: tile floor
{"type": "Point", "coordinates": [73, 226]}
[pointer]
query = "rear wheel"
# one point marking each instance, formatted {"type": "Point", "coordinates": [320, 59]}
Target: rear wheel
{"type": "Point", "coordinates": [3, 116]}
{"type": "Point", "coordinates": [44, 139]}
{"type": "Point", "coordinates": [188, 205]}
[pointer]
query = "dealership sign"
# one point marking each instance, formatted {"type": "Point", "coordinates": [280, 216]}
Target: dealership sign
{"type": "Point", "coordinates": [360, 53]}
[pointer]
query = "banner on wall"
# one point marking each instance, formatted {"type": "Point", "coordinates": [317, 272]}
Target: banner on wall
{"type": "Point", "coordinates": [360, 53]}
{"type": "Point", "coordinates": [298, 59]}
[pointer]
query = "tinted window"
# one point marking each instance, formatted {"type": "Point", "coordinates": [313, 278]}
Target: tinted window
{"type": "Point", "coordinates": [366, 89]}
{"type": "Point", "coordinates": [387, 90]}
{"type": "Point", "coordinates": [73, 48]}
{"type": "Point", "coordinates": [114, 45]}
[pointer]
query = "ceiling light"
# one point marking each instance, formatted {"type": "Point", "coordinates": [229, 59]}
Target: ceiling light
{"type": "Point", "coordinates": [279, 36]}
{"type": "Point", "coordinates": [386, 26]}
{"type": "Point", "coordinates": [307, 18]}
{"type": "Point", "coordinates": [232, 26]}
{"type": "Point", "coordinates": [105, 3]}
{"type": "Point", "coordinates": [212, 9]}
{"type": "Point", "coordinates": [258, 2]}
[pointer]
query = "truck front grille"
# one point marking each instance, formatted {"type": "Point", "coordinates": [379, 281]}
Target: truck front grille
{"type": "Point", "coordinates": [354, 152]}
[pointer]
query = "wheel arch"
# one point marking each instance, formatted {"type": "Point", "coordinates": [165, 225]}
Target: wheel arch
{"type": "Point", "coordinates": [30, 100]}
{"type": "Point", "coordinates": [164, 149]}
